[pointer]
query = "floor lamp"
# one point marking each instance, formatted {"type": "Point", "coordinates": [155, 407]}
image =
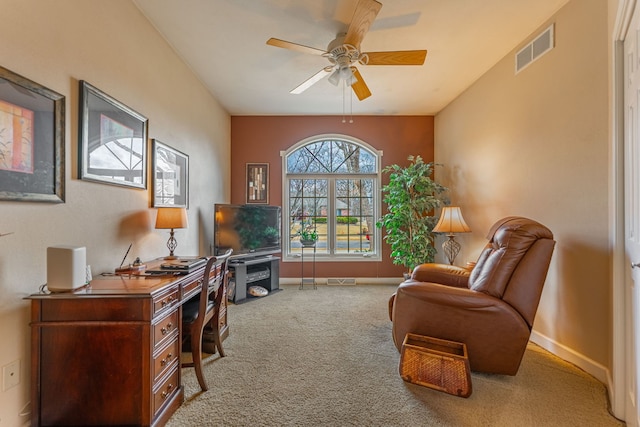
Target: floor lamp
{"type": "Point", "coordinates": [451, 222]}
{"type": "Point", "coordinates": [171, 218]}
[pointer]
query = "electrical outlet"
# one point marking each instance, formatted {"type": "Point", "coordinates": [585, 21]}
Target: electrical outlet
{"type": "Point", "coordinates": [11, 375]}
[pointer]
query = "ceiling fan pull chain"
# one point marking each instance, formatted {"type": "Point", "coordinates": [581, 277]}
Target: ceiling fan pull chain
{"type": "Point", "coordinates": [350, 106]}
{"type": "Point", "coordinates": [344, 87]}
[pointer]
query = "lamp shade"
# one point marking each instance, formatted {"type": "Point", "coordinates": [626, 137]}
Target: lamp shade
{"type": "Point", "coordinates": [451, 221]}
{"type": "Point", "coordinates": [171, 218]}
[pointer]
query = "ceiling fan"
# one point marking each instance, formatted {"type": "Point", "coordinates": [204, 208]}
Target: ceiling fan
{"type": "Point", "coordinates": [344, 53]}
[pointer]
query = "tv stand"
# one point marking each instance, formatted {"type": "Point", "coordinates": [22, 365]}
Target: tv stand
{"type": "Point", "coordinates": [260, 271]}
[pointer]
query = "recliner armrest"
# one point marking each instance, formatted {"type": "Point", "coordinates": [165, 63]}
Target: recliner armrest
{"type": "Point", "coordinates": [447, 297]}
{"type": "Point", "coordinates": [443, 274]}
{"type": "Point", "coordinates": [391, 301]}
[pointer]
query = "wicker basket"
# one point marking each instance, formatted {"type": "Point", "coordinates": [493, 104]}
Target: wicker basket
{"type": "Point", "coordinates": [438, 364]}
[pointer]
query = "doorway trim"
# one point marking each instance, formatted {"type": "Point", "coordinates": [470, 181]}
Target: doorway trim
{"type": "Point", "coordinates": [618, 380]}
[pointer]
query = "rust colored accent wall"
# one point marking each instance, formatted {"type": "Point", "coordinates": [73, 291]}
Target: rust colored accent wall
{"type": "Point", "coordinates": [260, 139]}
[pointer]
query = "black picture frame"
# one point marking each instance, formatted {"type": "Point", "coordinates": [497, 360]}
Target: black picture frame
{"type": "Point", "coordinates": [113, 140]}
{"type": "Point", "coordinates": [170, 176]}
{"type": "Point", "coordinates": [32, 131]}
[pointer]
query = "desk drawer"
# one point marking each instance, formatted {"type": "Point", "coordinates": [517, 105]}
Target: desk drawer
{"type": "Point", "coordinates": [191, 288]}
{"type": "Point", "coordinates": [165, 391]}
{"type": "Point", "coordinates": [165, 328]}
{"type": "Point", "coordinates": [81, 308]}
{"type": "Point", "coordinates": [166, 358]}
{"type": "Point", "coordinates": [166, 299]}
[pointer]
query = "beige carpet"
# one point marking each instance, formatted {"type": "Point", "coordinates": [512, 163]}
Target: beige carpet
{"type": "Point", "coordinates": [325, 357]}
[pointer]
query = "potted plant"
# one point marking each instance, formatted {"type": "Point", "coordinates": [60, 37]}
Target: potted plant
{"type": "Point", "coordinates": [411, 197]}
{"type": "Point", "coordinates": [272, 235]}
{"type": "Point", "coordinates": [308, 237]}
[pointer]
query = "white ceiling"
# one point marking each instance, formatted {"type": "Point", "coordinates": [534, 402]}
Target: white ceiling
{"type": "Point", "coordinates": [224, 43]}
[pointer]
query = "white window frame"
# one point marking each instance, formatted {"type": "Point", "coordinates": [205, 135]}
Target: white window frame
{"type": "Point", "coordinates": [376, 254]}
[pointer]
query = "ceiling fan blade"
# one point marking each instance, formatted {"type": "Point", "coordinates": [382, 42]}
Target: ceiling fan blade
{"type": "Point", "coordinates": [360, 88]}
{"type": "Point", "coordinates": [366, 12]}
{"type": "Point", "coordinates": [311, 81]}
{"type": "Point", "coordinates": [294, 46]}
{"type": "Point", "coordinates": [400, 57]}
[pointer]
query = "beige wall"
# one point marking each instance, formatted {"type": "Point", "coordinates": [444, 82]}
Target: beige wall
{"type": "Point", "coordinates": [112, 46]}
{"type": "Point", "coordinates": [536, 144]}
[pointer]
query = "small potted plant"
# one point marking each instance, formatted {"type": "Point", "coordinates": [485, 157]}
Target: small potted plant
{"type": "Point", "coordinates": [271, 235]}
{"type": "Point", "coordinates": [308, 238]}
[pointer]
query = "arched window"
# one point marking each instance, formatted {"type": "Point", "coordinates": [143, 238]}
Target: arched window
{"type": "Point", "coordinates": [331, 187]}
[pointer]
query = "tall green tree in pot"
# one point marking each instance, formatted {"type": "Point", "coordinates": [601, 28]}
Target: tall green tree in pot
{"type": "Point", "coordinates": [411, 197]}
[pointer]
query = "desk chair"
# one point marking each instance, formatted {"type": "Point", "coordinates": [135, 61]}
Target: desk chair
{"type": "Point", "coordinates": [203, 310]}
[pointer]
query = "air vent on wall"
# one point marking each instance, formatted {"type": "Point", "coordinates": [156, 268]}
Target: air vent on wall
{"type": "Point", "coordinates": [341, 281]}
{"type": "Point", "coordinates": [542, 44]}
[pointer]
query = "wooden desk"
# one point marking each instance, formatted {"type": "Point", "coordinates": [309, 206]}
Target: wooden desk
{"type": "Point", "coordinates": [109, 353]}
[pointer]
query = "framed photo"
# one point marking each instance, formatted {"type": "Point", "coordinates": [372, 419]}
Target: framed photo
{"type": "Point", "coordinates": [258, 183]}
{"type": "Point", "coordinates": [170, 176]}
{"type": "Point", "coordinates": [113, 140]}
{"type": "Point", "coordinates": [31, 140]}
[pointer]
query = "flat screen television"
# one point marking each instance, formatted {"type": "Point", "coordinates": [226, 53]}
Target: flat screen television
{"type": "Point", "coordinates": [250, 230]}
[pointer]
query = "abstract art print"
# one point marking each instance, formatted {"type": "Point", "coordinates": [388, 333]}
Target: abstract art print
{"type": "Point", "coordinates": [31, 140]}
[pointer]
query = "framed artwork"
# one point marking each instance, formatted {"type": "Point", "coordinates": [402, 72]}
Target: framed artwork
{"type": "Point", "coordinates": [31, 140]}
{"type": "Point", "coordinates": [258, 183]}
{"type": "Point", "coordinates": [170, 176]}
{"type": "Point", "coordinates": [113, 140]}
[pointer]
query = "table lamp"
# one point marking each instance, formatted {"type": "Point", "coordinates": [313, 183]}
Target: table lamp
{"type": "Point", "coordinates": [451, 222]}
{"type": "Point", "coordinates": [171, 218]}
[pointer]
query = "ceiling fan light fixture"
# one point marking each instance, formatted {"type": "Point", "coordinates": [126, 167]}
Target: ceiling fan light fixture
{"type": "Point", "coordinates": [334, 78]}
{"type": "Point", "coordinates": [347, 75]}
{"type": "Point", "coordinates": [342, 74]}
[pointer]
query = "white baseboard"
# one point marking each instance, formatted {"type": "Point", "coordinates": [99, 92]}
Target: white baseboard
{"type": "Point", "coordinates": [600, 372]}
{"type": "Point", "coordinates": [358, 280]}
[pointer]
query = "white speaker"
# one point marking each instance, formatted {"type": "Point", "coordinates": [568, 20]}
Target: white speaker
{"type": "Point", "coordinates": [66, 268]}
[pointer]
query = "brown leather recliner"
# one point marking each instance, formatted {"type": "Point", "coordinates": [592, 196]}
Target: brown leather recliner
{"type": "Point", "coordinates": [489, 308]}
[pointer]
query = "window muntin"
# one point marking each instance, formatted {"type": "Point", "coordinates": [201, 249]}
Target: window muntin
{"type": "Point", "coordinates": [331, 187]}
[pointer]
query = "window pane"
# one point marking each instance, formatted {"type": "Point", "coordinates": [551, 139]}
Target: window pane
{"type": "Point", "coordinates": [367, 162]}
{"type": "Point", "coordinates": [346, 158]}
{"type": "Point", "coordinates": [295, 187]}
{"type": "Point", "coordinates": [312, 158]}
{"type": "Point", "coordinates": [341, 159]}
{"type": "Point", "coordinates": [295, 162]}
{"type": "Point", "coordinates": [350, 158]}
